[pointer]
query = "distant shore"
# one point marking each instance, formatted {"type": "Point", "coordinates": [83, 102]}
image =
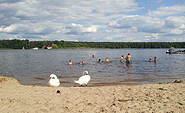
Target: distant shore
{"type": "Point", "coordinates": [26, 44]}
{"type": "Point", "coordinates": [147, 98]}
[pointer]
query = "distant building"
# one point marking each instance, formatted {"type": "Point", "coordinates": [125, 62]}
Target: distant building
{"type": "Point", "coordinates": [49, 47]}
{"type": "Point", "coordinates": [44, 47]}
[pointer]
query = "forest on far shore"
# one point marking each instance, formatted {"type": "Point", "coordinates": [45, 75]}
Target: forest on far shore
{"type": "Point", "coordinates": [19, 44]}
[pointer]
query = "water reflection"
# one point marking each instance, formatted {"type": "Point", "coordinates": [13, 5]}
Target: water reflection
{"type": "Point", "coordinates": [128, 66]}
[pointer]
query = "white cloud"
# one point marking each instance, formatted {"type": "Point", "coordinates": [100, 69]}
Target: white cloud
{"type": "Point", "coordinates": [95, 20]}
{"type": "Point", "coordinates": [77, 28]}
{"type": "Point", "coordinates": [175, 22]}
{"type": "Point", "coordinates": [153, 36]}
{"type": "Point", "coordinates": [167, 11]}
{"type": "Point", "coordinates": [139, 23]}
{"type": "Point", "coordinates": [174, 25]}
{"type": "Point", "coordinates": [9, 1]}
{"type": "Point", "coordinates": [12, 28]}
{"type": "Point", "coordinates": [26, 28]}
{"type": "Point", "coordinates": [152, 29]}
{"type": "Point", "coordinates": [45, 17]}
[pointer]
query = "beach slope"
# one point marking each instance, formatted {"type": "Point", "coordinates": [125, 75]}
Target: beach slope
{"type": "Point", "coordinates": [148, 98]}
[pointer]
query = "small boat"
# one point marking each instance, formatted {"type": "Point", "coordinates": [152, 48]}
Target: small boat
{"type": "Point", "coordinates": [173, 51]}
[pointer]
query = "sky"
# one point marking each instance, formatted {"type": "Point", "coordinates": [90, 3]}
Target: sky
{"type": "Point", "coordinates": [93, 20]}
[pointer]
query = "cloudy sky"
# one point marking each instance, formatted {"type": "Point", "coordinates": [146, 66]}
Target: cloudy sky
{"type": "Point", "coordinates": [93, 20]}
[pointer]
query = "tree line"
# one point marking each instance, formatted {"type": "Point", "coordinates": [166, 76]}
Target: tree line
{"type": "Point", "coordinates": [19, 44]}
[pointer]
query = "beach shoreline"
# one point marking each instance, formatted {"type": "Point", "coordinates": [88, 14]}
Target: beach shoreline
{"type": "Point", "coordinates": [146, 98]}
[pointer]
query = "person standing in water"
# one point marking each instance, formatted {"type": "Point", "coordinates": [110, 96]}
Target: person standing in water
{"type": "Point", "coordinates": [122, 59]}
{"type": "Point", "coordinates": [128, 59]}
{"type": "Point", "coordinates": [150, 60]}
{"type": "Point", "coordinates": [70, 63]}
{"type": "Point", "coordinates": [155, 59]}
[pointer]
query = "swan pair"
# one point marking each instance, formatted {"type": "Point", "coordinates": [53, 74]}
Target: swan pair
{"type": "Point", "coordinates": [82, 81]}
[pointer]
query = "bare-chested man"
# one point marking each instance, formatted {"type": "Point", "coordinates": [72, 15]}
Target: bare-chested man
{"type": "Point", "coordinates": [128, 59]}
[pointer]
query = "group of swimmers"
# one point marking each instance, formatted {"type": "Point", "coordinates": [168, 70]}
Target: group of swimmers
{"type": "Point", "coordinates": [106, 60]}
{"type": "Point", "coordinates": [128, 60]}
{"type": "Point", "coordinates": [70, 62]}
{"type": "Point", "coordinates": [155, 59]}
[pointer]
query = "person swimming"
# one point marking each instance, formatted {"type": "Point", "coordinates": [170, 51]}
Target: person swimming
{"type": "Point", "coordinates": [128, 59]}
{"type": "Point", "coordinates": [99, 61]}
{"type": "Point", "coordinates": [106, 60]}
{"type": "Point", "coordinates": [82, 63]}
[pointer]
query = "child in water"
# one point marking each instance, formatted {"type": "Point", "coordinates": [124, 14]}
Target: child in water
{"type": "Point", "coordinates": [70, 62]}
{"type": "Point", "coordinates": [82, 63]}
{"type": "Point", "coordinates": [150, 60]}
{"type": "Point", "coordinates": [106, 60]}
{"type": "Point", "coordinates": [122, 59]}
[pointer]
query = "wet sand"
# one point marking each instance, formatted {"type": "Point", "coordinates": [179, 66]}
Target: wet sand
{"type": "Point", "coordinates": [68, 81]}
{"type": "Point", "coordinates": [147, 98]}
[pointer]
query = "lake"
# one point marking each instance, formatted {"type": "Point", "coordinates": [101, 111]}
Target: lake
{"type": "Point", "coordinates": [33, 67]}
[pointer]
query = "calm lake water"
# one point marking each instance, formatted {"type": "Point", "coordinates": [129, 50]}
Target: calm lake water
{"type": "Point", "coordinates": [33, 67]}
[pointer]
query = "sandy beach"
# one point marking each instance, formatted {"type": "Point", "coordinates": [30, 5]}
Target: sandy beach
{"type": "Point", "coordinates": [147, 98]}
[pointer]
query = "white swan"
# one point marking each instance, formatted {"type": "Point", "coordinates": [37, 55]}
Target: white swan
{"type": "Point", "coordinates": [53, 82]}
{"type": "Point", "coordinates": [83, 80]}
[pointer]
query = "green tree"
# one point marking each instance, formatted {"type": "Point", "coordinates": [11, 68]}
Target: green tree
{"type": "Point", "coordinates": [54, 46]}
